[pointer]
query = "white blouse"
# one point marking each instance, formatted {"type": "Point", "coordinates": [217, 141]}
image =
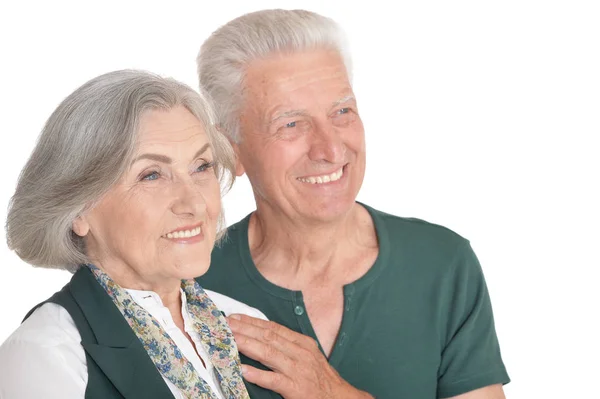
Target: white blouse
{"type": "Point", "coordinates": [44, 358]}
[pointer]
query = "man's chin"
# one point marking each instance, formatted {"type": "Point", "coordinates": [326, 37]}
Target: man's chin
{"type": "Point", "coordinates": [330, 210]}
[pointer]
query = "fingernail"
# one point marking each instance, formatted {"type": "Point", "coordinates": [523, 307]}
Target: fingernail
{"type": "Point", "coordinates": [235, 317]}
{"type": "Point", "coordinates": [244, 369]}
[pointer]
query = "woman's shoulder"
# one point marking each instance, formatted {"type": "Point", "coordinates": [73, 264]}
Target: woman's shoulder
{"type": "Point", "coordinates": [230, 306]}
{"type": "Point", "coordinates": [43, 352]}
{"type": "Point", "coordinates": [49, 325]}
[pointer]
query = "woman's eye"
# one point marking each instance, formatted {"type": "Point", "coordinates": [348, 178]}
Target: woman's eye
{"type": "Point", "coordinates": [205, 166]}
{"type": "Point", "coordinates": [151, 176]}
{"type": "Point", "coordinates": [291, 124]}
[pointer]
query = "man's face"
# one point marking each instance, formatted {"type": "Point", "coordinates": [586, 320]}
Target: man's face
{"type": "Point", "coordinates": [302, 140]}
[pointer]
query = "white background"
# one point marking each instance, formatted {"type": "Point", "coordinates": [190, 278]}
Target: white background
{"type": "Point", "coordinates": [481, 116]}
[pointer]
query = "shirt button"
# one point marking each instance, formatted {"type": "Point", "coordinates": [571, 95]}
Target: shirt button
{"type": "Point", "coordinates": [299, 310]}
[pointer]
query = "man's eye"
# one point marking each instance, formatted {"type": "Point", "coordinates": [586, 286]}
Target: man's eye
{"type": "Point", "coordinates": [343, 110]}
{"type": "Point", "coordinates": [291, 124]}
{"type": "Point", "coordinates": [151, 176]}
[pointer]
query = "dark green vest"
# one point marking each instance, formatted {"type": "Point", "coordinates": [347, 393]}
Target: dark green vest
{"type": "Point", "coordinates": [117, 363]}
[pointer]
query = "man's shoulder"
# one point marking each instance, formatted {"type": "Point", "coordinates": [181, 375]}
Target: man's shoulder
{"type": "Point", "coordinates": [414, 230]}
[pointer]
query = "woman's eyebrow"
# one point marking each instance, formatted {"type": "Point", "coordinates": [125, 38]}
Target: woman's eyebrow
{"type": "Point", "coordinates": [165, 159]}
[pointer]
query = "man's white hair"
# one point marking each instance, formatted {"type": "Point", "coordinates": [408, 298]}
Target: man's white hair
{"type": "Point", "coordinates": [225, 55]}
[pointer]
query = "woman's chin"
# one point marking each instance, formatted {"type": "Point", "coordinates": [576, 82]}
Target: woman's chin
{"type": "Point", "coordinates": [192, 270]}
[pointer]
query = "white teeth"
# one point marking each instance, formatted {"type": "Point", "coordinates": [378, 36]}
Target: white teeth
{"type": "Point", "coordinates": [184, 233]}
{"type": "Point", "coordinates": [323, 179]}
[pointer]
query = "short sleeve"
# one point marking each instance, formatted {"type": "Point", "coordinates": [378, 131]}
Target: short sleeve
{"type": "Point", "coordinates": [471, 357]}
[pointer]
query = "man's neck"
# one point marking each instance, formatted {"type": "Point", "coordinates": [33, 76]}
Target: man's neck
{"type": "Point", "coordinates": [306, 250]}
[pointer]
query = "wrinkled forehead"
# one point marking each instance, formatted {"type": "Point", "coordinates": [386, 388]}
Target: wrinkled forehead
{"type": "Point", "coordinates": [176, 131]}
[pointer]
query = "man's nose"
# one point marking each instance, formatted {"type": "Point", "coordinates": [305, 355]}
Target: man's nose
{"type": "Point", "coordinates": [326, 144]}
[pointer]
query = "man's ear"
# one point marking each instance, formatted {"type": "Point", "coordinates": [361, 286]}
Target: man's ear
{"type": "Point", "coordinates": [81, 226]}
{"type": "Point", "coordinates": [239, 168]}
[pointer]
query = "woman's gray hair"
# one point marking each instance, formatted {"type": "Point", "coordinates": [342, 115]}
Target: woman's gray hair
{"type": "Point", "coordinates": [85, 147]}
{"type": "Point", "coordinates": [225, 55]}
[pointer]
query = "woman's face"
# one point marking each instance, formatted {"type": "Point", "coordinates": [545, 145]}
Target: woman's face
{"type": "Point", "coordinates": [159, 222]}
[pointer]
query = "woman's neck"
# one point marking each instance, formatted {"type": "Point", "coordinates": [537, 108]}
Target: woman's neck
{"type": "Point", "coordinates": [168, 289]}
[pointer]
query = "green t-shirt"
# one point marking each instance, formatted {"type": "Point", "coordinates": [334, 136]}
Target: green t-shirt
{"type": "Point", "coordinates": [417, 325]}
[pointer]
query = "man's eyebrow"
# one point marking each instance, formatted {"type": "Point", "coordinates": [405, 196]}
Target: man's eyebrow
{"type": "Point", "coordinates": [165, 159]}
{"type": "Point", "coordinates": [302, 112]}
{"type": "Point", "coordinates": [288, 114]}
{"type": "Point", "coordinates": [343, 100]}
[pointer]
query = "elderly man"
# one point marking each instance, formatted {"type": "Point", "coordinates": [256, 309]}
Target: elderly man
{"type": "Point", "coordinates": [362, 303]}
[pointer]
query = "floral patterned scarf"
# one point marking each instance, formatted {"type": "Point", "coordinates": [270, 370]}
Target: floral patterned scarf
{"type": "Point", "coordinates": [210, 325]}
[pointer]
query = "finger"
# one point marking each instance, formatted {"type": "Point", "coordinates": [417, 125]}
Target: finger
{"type": "Point", "coordinates": [267, 336]}
{"type": "Point", "coordinates": [253, 326]}
{"type": "Point", "coordinates": [265, 353]}
{"type": "Point", "coordinates": [270, 380]}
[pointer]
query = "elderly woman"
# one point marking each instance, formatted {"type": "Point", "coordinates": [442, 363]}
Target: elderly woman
{"type": "Point", "coordinates": [123, 189]}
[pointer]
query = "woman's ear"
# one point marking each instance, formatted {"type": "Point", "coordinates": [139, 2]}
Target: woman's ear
{"type": "Point", "coordinates": [80, 226]}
